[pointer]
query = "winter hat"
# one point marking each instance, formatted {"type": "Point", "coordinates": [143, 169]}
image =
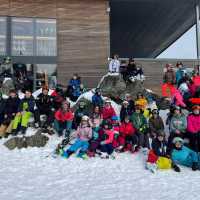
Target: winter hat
{"type": "Point", "coordinates": [178, 139]}
{"type": "Point", "coordinates": [196, 107]}
{"type": "Point", "coordinates": [85, 118]}
{"type": "Point", "coordinates": [125, 102]}
{"type": "Point", "coordinates": [177, 108]}
{"type": "Point", "coordinates": [155, 111]}
{"type": "Point", "coordinates": [107, 100]}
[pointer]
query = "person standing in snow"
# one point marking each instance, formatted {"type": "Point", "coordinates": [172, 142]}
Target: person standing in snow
{"type": "Point", "coordinates": [125, 110]}
{"type": "Point", "coordinates": [97, 99]}
{"type": "Point", "coordinates": [114, 64]}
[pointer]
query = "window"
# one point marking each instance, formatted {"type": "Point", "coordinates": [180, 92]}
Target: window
{"type": "Point", "coordinates": [3, 35]}
{"type": "Point", "coordinates": [46, 37]}
{"type": "Point", "coordinates": [22, 36]}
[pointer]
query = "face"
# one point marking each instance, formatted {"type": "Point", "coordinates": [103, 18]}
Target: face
{"type": "Point", "coordinates": [178, 145]}
{"type": "Point", "coordinates": [196, 111]}
{"type": "Point", "coordinates": [107, 104]}
{"type": "Point", "coordinates": [155, 114]}
{"type": "Point", "coordinates": [12, 94]}
{"type": "Point", "coordinates": [115, 57]}
{"type": "Point", "coordinates": [84, 122]}
{"type": "Point", "coordinates": [105, 126]}
{"type": "Point", "coordinates": [126, 120]}
{"type": "Point", "coordinates": [96, 110]}
{"type": "Point", "coordinates": [45, 92]}
{"type": "Point", "coordinates": [65, 106]}
{"type": "Point", "coordinates": [27, 94]}
{"type": "Point", "coordinates": [125, 105]}
{"type": "Point", "coordinates": [160, 138]}
{"type": "Point", "coordinates": [177, 112]}
{"type": "Point", "coordinates": [74, 77]}
{"type": "Point", "coordinates": [137, 110]}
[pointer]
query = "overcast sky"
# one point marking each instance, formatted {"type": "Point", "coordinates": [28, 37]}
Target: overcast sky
{"type": "Point", "coordinates": [184, 47]}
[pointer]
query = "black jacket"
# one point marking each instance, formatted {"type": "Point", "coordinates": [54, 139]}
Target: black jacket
{"type": "Point", "coordinates": [12, 106]}
{"type": "Point", "coordinates": [31, 104]}
{"type": "Point", "coordinates": [44, 102]}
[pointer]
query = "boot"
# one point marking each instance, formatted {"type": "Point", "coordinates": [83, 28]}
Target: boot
{"type": "Point", "coordinates": [14, 132]}
{"type": "Point", "coordinates": [23, 129]}
{"type": "Point", "coordinates": [194, 166]}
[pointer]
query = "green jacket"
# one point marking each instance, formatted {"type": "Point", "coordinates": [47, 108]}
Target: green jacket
{"type": "Point", "coordinates": [139, 122]}
{"type": "Point", "coordinates": [178, 122]}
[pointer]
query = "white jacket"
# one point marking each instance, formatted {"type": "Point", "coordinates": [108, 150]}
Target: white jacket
{"type": "Point", "coordinates": [114, 66]}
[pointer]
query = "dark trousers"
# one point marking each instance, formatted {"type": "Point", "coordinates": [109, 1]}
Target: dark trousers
{"type": "Point", "coordinates": [107, 148]}
{"type": "Point", "coordinates": [194, 139]}
{"type": "Point", "coordinates": [48, 113]}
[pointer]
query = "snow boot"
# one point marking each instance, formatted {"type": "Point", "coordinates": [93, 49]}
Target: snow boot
{"type": "Point", "coordinates": [23, 129]}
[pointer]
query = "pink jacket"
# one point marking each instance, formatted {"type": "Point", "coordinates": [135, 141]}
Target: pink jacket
{"type": "Point", "coordinates": [110, 134]}
{"type": "Point", "coordinates": [193, 123]}
{"type": "Point", "coordinates": [178, 98]}
{"type": "Point", "coordinates": [84, 133]}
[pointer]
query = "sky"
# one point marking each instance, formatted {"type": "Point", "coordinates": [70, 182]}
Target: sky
{"type": "Point", "coordinates": [183, 48]}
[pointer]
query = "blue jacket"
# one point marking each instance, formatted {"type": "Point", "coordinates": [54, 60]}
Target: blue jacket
{"type": "Point", "coordinates": [97, 100]}
{"type": "Point", "coordinates": [179, 75]}
{"type": "Point", "coordinates": [185, 156]}
{"type": "Point", "coordinates": [75, 83]}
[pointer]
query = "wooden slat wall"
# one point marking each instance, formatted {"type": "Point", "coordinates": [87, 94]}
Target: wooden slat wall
{"type": "Point", "coordinates": [83, 33]}
{"type": "Point", "coordinates": [83, 39]}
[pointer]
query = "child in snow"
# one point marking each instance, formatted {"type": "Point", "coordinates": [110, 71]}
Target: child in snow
{"type": "Point", "coordinates": [74, 84]}
{"type": "Point", "coordinates": [127, 139]}
{"type": "Point", "coordinates": [156, 123]}
{"type": "Point", "coordinates": [97, 99]}
{"type": "Point", "coordinates": [26, 110]}
{"type": "Point", "coordinates": [79, 113]}
{"type": "Point", "coordinates": [115, 124]}
{"type": "Point", "coordinates": [10, 111]}
{"type": "Point", "coordinates": [108, 111]}
{"type": "Point", "coordinates": [125, 110]}
{"type": "Point", "coordinates": [140, 123]}
{"type": "Point", "coordinates": [106, 146]}
{"type": "Point", "coordinates": [141, 101]}
{"type": "Point", "coordinates": [44, 107]}
{"type": "Point", "coordinates": [114, 64]}
{"type": "Point", "coordinates": [193, 128]}
{"type": "Point", "coordinates": [178, 125]}
{"type": "Point", "coordinates": [83, 135]}
{"type": "Point", "coordinates": [63, 120]}
{"type": "Point", "coordinates": [182, 155]}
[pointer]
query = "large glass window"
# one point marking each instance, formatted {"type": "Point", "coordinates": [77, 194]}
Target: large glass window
{"type": "Point", "coordinates": [3, 35]}
{"type": "Point", "coordinates": [46, 37]}
{"type": "Point", "coordinates": [22, 36]}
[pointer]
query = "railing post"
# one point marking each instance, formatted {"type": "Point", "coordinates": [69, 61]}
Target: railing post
{"type": "Point", "coordinates": [198, 33]}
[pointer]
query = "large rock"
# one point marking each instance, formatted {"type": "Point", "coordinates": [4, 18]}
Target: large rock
{"type": "Point", "coordinates": [37, 140]}
{"type": "Point", "coordinates": [115, 87]}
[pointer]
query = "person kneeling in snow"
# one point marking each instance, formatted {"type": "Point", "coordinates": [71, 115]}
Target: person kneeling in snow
{"type": "Point", "coordinates": [83, 135]}
{"type": "Point", "coordinates": [182, 155]}
{"type": "Point", "coordinates": [63, 120]}
{"type": "Point", "coordinates": [25, 111]}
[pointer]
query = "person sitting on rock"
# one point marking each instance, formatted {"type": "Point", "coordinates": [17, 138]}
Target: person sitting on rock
{"type": "Point", "coordinates": [156, 124]}
{"type": "Point", "coordinates": [79, 113]}
{"type": "Point", "coordinates": [44, 107]}
{"type": "Point", "coordinates": [182, 155]}
{"type": "Point", "coordinates": [108, 111]}
{"type": "Point", "coordinates": [10, 110]}
{"type": "Point", "coordinates": [82, 135]}
{"type": "Point", "coordinates": [141, 101]}
{"type": "Point", "coordinates": [114, 64]}
{"type": "Point", "coordinates": [63, 120]}
{"type": "Point", "coordinates": [26, 110]}
{"type": "Point", "coordinates": [97, 99]}
{"type": "Point", "coordinates": [169, 79]}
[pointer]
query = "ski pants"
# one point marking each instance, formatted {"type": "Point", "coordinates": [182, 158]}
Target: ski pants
{"type": "Point", "coordinates": [21, 119]}
{"type": "Point", "coordinates": [79, 144]}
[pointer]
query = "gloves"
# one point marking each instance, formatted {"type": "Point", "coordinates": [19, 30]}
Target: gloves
{"type": "Point", "coordinates": [176, 168]}
{"type": "Point", "coordinates": [194, 166]}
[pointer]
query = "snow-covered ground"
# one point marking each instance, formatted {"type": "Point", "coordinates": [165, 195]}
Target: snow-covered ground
{"type": "Point", "coordinates": [32, 174]}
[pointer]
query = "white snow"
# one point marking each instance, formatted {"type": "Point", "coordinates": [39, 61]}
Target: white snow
{"type": "Point", "coordinates": [31, 174]}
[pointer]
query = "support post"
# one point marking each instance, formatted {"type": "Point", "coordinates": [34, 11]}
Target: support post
{"type": "Point", "coordinates": [198, 33]}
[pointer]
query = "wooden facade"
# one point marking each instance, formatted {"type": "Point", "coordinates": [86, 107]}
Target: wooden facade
{"type": "Point", "coordinates": [82, 33]}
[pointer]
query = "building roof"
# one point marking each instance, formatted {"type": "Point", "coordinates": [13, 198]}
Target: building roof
{"type": "Point", "coordinates": [145, 28]}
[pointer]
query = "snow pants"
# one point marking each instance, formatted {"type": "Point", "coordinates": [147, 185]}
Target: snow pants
{"type": "Point", "coordinates": [61, 126]}
{"type": "Point", "coordinates": [167, 90]}
{"type": "Point", "coordinates": [79, 145]}
{"type": "Point", "coordinates": [21, 119]}
{"type": "Point", "coordinates": [107, 148]}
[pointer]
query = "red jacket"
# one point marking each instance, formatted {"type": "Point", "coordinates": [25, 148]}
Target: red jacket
{"type": "Point", "coordinates": [61, 116]}
{"type": "Point", "coordinates": [110, 133]}
{"type": "Point", "coordinates": [127, 129]}
{"type": "Point", "coordinates": [108, 112]}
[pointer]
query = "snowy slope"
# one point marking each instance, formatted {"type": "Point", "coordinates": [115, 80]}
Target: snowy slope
{"type": "Point", "coordinates": [30, 174]}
